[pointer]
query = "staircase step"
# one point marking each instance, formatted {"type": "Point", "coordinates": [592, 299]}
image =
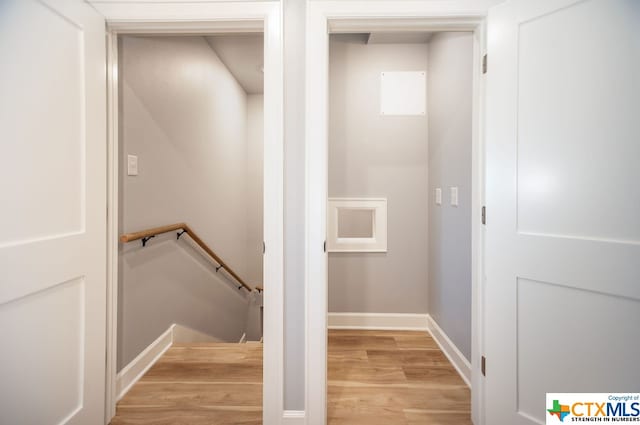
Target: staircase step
{"type": "Point", "coordinates": [230, 353]}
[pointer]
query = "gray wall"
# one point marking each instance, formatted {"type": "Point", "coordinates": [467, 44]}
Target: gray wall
{"type": "Point", "coordinates": [185, 116]}
{"type": "Point", "coordinates": [254, 164]}
{"type": "Point", "coordinates": [378, 156]}
{"type": "Point", "coordinates": [449, 83]}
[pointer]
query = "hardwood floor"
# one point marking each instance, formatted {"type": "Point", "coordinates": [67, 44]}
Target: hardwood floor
{"type": "Point", "coordinates": [393, 377]}
{"type": "Point", "coordinates": [198, 384]}
{"type": "Point", "coordinates": [374, 377]}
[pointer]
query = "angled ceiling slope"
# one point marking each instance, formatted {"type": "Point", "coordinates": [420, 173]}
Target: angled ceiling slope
{"type": "Point", "coordinates": [408, 37]}
{"type": "Point", "coordinates": [243, 55]}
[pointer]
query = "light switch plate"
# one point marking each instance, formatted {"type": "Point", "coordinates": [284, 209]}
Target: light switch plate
{"type": "Point", "coordinates": [132, 165]}
{"type": "Point", "coordinates": [454, 196]}
{"type": "Point", "coordinates": [438, 196]}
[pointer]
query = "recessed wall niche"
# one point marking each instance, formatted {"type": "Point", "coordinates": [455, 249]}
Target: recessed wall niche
{"type": "Point", "coordinates": [357, 225]}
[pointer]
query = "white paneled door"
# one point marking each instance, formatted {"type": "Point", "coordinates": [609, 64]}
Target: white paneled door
{"type": "Point", "coordinates": [53, 209]}
{"type": "Point", "coordinates": [562, 294]}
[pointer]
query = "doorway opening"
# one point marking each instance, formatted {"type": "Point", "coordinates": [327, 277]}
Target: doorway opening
{"type": "Point", "coordinates": [326, 23]}
{"type": "Point", "coordinates": [399, 226]}
{"type": "Point", "coordinates": [190, 276]}
{"type": "Point", "coordinates": [220, 123]}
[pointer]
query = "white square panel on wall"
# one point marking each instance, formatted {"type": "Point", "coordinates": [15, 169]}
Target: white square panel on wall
{"type": "Point", "coordinates": [403, 93]}
{"type": "Point", "coordinates": [357, 225]}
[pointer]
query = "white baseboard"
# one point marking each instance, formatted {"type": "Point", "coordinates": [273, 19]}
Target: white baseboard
{"type": "Point", "coordinates": [379, 321]}
{"type": "Point", "coordinates": [293, 417]}
{"type": "Point", "coordinates": [457, 359]}
{"type": "Point", "coordinates": [139, 366]}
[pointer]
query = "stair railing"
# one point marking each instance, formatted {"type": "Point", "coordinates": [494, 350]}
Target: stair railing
{"type": "Point", "coordinates": [182, 228]}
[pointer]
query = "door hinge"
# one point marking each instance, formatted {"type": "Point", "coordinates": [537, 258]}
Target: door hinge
{"type": "Point", "coordinates": [264, 247]}
{"type": "Point", "coordinates": [324, 246]}
{"type": "Point", "coordinates": [483, 366]}
{"type": "Point", "coordinates": [484, 215]}
{"type": "Point", "coordinates": [484, 64]}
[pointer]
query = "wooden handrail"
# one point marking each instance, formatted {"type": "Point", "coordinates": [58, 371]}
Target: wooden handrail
{"type": "Point", "coordinates": [145, 235]}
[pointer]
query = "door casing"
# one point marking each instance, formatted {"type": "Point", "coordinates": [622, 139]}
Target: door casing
{"type": "Point", "coordinates": [199, 19]}
{"type": "Point", "coordinates": [324, 18]}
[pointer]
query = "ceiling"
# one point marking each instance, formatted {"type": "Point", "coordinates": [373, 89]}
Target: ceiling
{"type": "Point", "coordinates": [243, 55]}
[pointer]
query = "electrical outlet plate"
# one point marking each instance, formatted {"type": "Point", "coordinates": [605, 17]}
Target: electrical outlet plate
{"type": "Point", "coordinates": [454, 196]}
{"type": "Point", "coordinates": [132, 165]}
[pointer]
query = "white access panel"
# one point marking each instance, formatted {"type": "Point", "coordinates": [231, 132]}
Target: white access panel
{"type": "Point", "coordinates": [403, 93]}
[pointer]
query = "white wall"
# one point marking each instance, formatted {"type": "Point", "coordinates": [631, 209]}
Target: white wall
{"type": "Point", "coordinates": [449, 84]}
{"type": "Point", "coordinates": [185, 117]}
{"type": "Point", "coordinates": [371, 155]}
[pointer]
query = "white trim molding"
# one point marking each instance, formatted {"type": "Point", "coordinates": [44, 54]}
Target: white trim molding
{"type": "Point", "coordinates": [323, 18]}
{"type": "Point", "coordinates": [205, 17]}
{"type": "Point", "coordinates": [293, 417]}
{"type": "Point", "coordinates": [477, 230]}
{"type": "Point", "coordinates": [455, 356]}
{"type": "Point", "coordinates": [379, 321]}
{"type": "Point", "coordinates": [377, 242]}
{"type": "Point", "coordinates": [132, 372]}
{"type": "Point", "coordinates": [113, 243]}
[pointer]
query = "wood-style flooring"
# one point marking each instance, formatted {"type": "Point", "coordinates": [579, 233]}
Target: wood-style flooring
{"type": "Point", "coordinates": [198, 384]}
{"type": "Point", "coordinates": [374, 377]}
{"type": "Point", "coordinates": [393, 377]}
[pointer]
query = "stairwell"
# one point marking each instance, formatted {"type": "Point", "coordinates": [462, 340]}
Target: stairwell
{"type": "Point", "coordinates": [216, 314]}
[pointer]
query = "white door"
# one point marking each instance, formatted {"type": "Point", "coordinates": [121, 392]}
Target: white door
{"type": "Point", "coordinates": [563, 203]}
{"type": "Point", "coordinates": [53, 209]}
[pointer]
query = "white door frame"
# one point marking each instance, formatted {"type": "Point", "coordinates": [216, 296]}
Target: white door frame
{"type": "Point", "coordinates": [208, 18]}
{"type": "Point", "coordinates": [328, 17]}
